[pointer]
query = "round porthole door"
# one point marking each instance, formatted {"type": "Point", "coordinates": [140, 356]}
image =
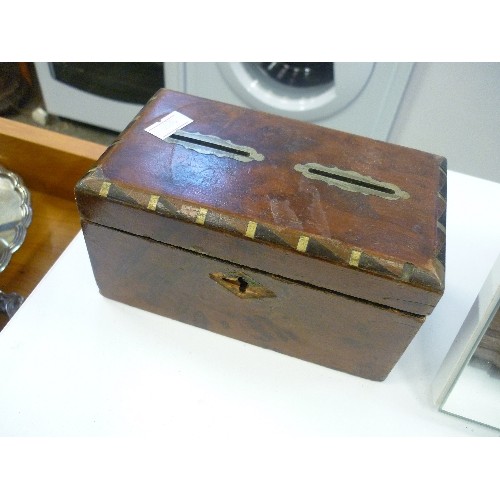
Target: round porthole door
{"type": "Point", "coordinates": [302, 90]}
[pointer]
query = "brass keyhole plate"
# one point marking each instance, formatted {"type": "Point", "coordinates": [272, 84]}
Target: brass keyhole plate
{"type": "Point", "coordinates": [242, 285]}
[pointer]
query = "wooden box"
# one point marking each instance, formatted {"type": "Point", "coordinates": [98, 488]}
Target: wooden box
{"type": "Point", "coordinates": [311, 242]}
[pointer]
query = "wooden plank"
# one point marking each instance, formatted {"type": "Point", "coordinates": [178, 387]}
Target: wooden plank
{"type": "Point", "coordinates": [47, 161]}
{"type": "Point", "coordinates": [50, 164]}
{"type": "Point", "coordinates": [55, 223]}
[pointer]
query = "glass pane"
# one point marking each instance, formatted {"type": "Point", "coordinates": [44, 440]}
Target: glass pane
{"type": "Point", "coordinates": [300, 74]}
{"type": "Point", "coordinates": [132, 82]}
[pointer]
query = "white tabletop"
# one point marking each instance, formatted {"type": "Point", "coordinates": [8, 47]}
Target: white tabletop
{"type": "Point", "coordinates": [73, 363]}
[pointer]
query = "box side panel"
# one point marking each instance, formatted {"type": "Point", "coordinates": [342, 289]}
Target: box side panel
{"type": "Point", "coordinates": [346, 278]}
{"type": "Point", "coordinates": [255, 307]}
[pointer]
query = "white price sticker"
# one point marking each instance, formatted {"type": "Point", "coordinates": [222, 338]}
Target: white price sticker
{"type": "Point", "coordinates": [168, 125]}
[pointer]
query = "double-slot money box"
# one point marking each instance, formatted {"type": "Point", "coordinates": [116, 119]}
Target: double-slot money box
{"type": "Point", "coordinates": [314, 243]}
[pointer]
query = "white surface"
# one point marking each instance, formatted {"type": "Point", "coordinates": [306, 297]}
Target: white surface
{"type": "Point", "coordinates": [453, 109]}
{"type": "Point", "coordinates": [73, 363]}
{"type": "Point", "coordinates": [168, 125]}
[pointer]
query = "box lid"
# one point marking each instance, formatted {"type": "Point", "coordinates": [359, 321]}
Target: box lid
{"type": "Point", "coordinates": [330, 209]}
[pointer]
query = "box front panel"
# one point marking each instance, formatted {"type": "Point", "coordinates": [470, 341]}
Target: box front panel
{"type": "Point", "coordinates": [303, 321]}
{"type": "Point", "coordinates": [255, 253]}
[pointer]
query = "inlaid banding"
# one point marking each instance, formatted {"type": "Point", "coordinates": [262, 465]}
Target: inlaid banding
{"type": "Point", "coordinates": [355, 258]}
{"type": "Point", "coordinates": [104, 191]}
{"type": "Point", "coordinates": [251, 228]}
{"type": "Point", "coordinates": [202, 214]}
{"type": "Point", "coordinates": [153, 202]}
{"type": "Point", "coordinates": [302, 243]}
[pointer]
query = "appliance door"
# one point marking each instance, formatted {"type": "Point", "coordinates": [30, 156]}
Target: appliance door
{"type": "Point", "coordinates": [305, 91]}
{"type": "Point", "coordinates": [107, 95]}
{"type": "Point", "coordinates": [130, 82]}
{"type": "Point", "coordinates": [359, 97]}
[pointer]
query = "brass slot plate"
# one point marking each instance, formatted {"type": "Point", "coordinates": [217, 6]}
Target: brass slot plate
{"type": "Point", "coordinates": [212, 145]}
{"type": "Point", "coordinates": [352, 181]}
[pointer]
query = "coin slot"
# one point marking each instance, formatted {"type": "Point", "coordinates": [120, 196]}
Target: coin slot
{"type": "Point", "coordinates": [355, 182]}
{"type": "Point", "coordinates": [349, 180]}
{"type": "Point", "coordinates": [207, 144]}
{"type": "Point", "coordinates": [212, 145]}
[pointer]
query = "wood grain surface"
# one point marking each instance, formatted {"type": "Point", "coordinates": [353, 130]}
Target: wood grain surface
{"type": "Point", "coordinates": [220, 225]}
{"type": "Point", "coordinates": [47, 161]}
{"type": "Point", "coordinates": [265, 214]}
{"type": "Point", "coordinates": [312, 324]}
{"type": "Point", "coordinates": [50, 164]}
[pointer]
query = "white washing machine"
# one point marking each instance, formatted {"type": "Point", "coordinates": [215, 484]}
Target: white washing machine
{"type": "Point", "coordinates": [360, 98]}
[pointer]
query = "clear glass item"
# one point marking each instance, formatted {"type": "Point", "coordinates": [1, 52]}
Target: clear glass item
{"type": "Point", "coordinates": [15, 218]}
{"type": "Point", "coordinates": [468, 384]}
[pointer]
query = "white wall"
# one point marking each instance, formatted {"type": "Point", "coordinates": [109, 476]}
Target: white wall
{"type": "Point", "coordinates": [453, 109]}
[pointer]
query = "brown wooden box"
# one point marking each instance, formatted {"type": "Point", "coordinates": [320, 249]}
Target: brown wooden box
{"type": "Point", "coordinates": [315, 243]}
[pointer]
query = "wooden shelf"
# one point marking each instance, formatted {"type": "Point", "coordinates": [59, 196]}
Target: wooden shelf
{"type": "Point", "coordinates": [50, 164]}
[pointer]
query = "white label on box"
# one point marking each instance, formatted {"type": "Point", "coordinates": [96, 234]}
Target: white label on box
{"type": "Point", "coordinates": [168, 125]}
